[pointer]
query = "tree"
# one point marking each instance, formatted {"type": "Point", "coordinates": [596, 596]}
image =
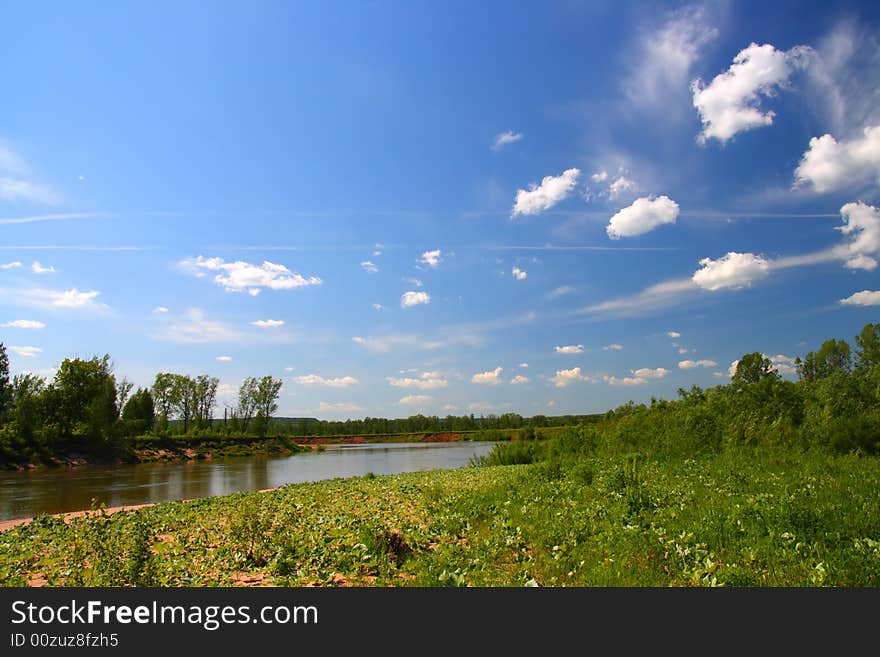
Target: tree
{"type": "Point", "coordinates": [868, 346]}
{"type": "Point", "coordinates": [26, 390]}
{"type": "Point", "coordinates": [205, 391]}
{"type": "Point", "coordinates": [247, 401]}
{"type": "Point", "coordinates": [123, 390]}
{"type": "Point", "coordinates": [5, 387]}
{"type": "Point", "coordinates": [833, 356]}
{"type": "Point", "coordinates": [140, 411]}
{"type": "Point", "coordinates": [183, 398]}
{"type": "Point", "coordinates": [754, 367]}
{"type": "Point", "coordinates": [163, 388]}
{"type": "Point", "coordinates": [84, 393]}
{"type": "Point", "coordinates": [267, 392]}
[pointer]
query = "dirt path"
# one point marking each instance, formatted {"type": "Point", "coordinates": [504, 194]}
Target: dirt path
{"type": "Point", "coordinates": [70, 515]}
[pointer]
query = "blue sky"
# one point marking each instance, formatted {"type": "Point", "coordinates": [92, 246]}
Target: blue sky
{"type": "Point", "coordinates": [445, 208]}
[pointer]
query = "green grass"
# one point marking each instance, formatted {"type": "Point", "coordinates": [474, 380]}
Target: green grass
{"type": "Point", "coordinates": [740, 518]}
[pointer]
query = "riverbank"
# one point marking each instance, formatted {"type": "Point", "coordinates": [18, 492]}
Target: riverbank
{"type": "Point", "coordinates": [151, 448]}
{"type": "Point", "coordinates": [747, 518]}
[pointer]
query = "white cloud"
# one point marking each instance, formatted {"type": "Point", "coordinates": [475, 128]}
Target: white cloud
{"type": "Point", "coordinates": [268, 323]}
{"type": "Point", "coordinates": [13, 189]}
{"type": "Point", "coordinates": [569, 349]}
{"type": "Point", "coordinates": [621, 186]}
{"type": "Point", "coordinates": [11, 265]}
{"type": "Point", "coordinates": [862, 225]}
{"type": "Point", "coordinates": [666, 56]}
{"type": "Point", "coordinates": [564, 378]}
{"type": "Point", "coordinates": [599, 176]}
{"type": "Point", "coordinates": [505, 138]}
{"type": "Point", "coordinates": [160, 310]}
{"type": "Point", "coordinates": [560, 291]}
{"type": "Point", "coordinates": [378, 306]}
{"type": "Point", "coordinates": [519, 379]}
{"type": "Point", "coordinates": [55, 299]}
{"type": "Point", "coordinates": [25, 352]}
{"type": "Point", "coordinates": [242, 276]}
{"type": "Point", "coordinates": [733, 270]}
{"type": "Point", "coordinates": [639, 377]}
{"type": "Point", "coordinates": [426, 381]}
{"type": "Point", "coordinates": [415, 282]}
{"type": "Point", "coordinates": [783, 364]}
{"type": "Point", "coordinates": [519, 274]}
{"type": "Point", "coordinates": [24, 324]}
{"type": "Point", "coordinates": [193, 327]}
{"type": "Point", "coordinates": [673, 334]}
{"type": "Point", "coordinates": [37, 268]}
{"type": "Point", "coordinates": [731, 102]}
{"type": "Point", "coordinates": [691, 364]}
{"type": "Point", "coordinates": [682, 350]}
{"type": "Point", "coordinates": [829, 165]}
{"type": "Point", "coordinates": [491, 377]}
{"type": "Point", "coordinates": [654, 297]}
{"type": "Point", "coordinates": [369, 267]}
{"type": "Point", "coordinates": [863, 298]}
{"type": "Point", "coordinates": [415, 400]}
{"type": "Point", "coordinates": [732, 369]}
{"type": "Point", "coordinates": [410, 299]}
{"type": "Point", "coordinates": [432, 258]}
{"type": "Point", "coordinates": [648, 373]}
{"type": "Point", "coordinates": [315, 380]}
{"type": "Point", "coordinates": [625, 381]}
{"type": "Point", "coordinates": [551, 191]}
{"type": "Point", "coordinates": [644, 215]}
{"type": "Point", "coordinates": [612, 347]}
{"type": "Point", "coordinates": [224, 359]}
{"type": "Point", "coordinates": [523, 365]}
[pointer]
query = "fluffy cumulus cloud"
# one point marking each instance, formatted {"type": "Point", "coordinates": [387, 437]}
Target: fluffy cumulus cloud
{"type": "Point", "coordinates": [730, 104]}
{"type": "Point", "coordinates": [569, 349]}
{"type": "Point", "coordinates": [863, 298]}
{"type": "Point", "coordinates": [410, 299]}
{"type": "Point", "coordinates": [650, 373]}
{"type": "Point", "coordinates": [37, 268]}
{"type": "Point", "coordinates": [415, 400]}
{"type": "Point", "coordinates": [862, 227]}
{"type": "Point", "coordinates": [268, 323]}
{"type": "Point", "coordinates": [24, 324]}
{"type": "Point", "coordinates": [24, 352]}
{"type": "Point", "coordinates": [519, 274]}
{"type": "Point", "coordinates": [369, 267]}
{"type": "Point", "coordinates": [432, 258]}
{"type": "Point", "coordinates": [519, 379]}
{"type": "Point", "coordinates": [733, 270]}
{"type": "Point", "coordinates": [564, 378]}
{"type": "Point", "coordinates": [425, 381]}
{"type": "Point", "coordinates": [492, 376]}
{"type": "Point", "coordinates": [505, 138]}
{"type": "Point", "coordinates": [644, 215]}
{"type": "Point", "coordinates": [599, 176]}
{"type": "Point", "coordinates": [242, 276]}
{"type": "Point", "coordinates": [316, 380]}
{"type": "Point", "coordinates": [639, 377]}
{"type": "Point", "coordinates": [691, 364]}
{"type": "Point", "coordinates": [551, 191]}
{"type": "Point", "coordinates": [830, 165]}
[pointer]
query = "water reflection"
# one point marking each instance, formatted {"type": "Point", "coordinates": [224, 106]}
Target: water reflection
{"type": "Point", "coordinates": [24, 494]}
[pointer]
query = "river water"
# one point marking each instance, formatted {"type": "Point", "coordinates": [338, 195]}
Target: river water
{"type": "Point", "coordinates": [25, 494]}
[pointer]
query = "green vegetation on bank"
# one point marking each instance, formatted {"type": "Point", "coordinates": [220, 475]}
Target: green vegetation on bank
{"type": "Point", "coordinates": [763, 482]}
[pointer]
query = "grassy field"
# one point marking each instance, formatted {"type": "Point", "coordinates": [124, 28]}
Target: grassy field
{"type": "Point", "coordinates": [743, 518]}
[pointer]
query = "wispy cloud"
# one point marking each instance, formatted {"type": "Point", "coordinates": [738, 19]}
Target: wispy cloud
{"type": "Point", "coordinates": [268, 323]}
{"type": "Point", "coordinates": [194, 327]}
{"type": "Point", "coordinates": [569, 349]}
{"type": "Point", "coordinates": [24, 352]}
{"type": "Point", "coordinates": [369, 267]}
{"type": "Point", "coordinates": [24, 324]}
{"type": "Point", "coordinates": [37, 268]}
{"type": "Point", "coordinates": [415, 400]}
{"type": "Point", "coordinates": [425, 381]}
{"type": "Point", "coordinates": [505, 138]}
{"type": "Point", "coordinates": [317, 380]}
{"type": "Point", "coordinates": [67, 216]}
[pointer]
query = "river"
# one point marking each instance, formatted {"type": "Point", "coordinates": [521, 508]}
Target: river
{"type": "Point", "coordinates": [30, 493]}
